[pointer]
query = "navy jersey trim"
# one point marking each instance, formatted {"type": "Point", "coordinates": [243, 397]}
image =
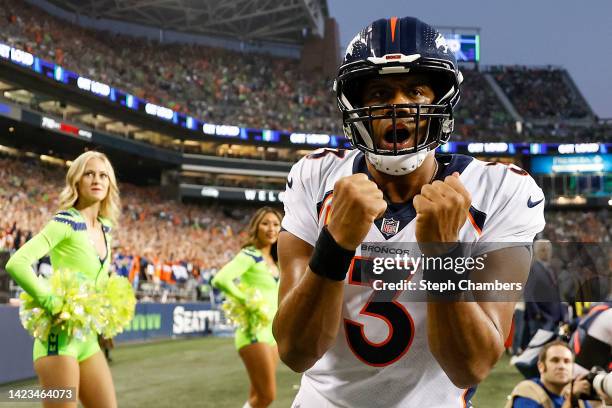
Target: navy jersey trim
{"type": "Point", "coordinates": [359, 164]}
{"type": "Point", "coordinates": [404, 213]}
{"type": "Point", "coordinates": [76, 226]}
{"type": "Point", "coordinates": [252, 255]}
{"type": "Point", "coordinates": [450, 163]}
{"type": "Point", "coordinates": [478, 216]}
{"type": "Point", "coordinates": [467, 396]}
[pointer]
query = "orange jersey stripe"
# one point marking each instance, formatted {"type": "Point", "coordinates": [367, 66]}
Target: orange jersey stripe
{"type": "Point", "coordinates": [463, 398]}
{"type": "Point", "coordinates": [325, 204]}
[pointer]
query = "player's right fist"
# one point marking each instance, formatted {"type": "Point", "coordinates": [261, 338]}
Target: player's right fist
{"type": "Point", "coordinates": [356, 204]}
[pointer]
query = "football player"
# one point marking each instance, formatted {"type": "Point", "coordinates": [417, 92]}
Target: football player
{"type": "Point", "coordinates": [397, 87]}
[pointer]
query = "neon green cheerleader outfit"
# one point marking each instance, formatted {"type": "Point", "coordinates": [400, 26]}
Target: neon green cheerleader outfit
{"type": "Point", "coordinates": [249, 265]}
{"type": "Point", "coordinates": [65, 239]}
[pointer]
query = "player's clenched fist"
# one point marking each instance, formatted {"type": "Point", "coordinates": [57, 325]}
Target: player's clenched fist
{"type": "Point", "coordinates": [442, 208]}
{"type": "Point", "coordinates": [356, 204]}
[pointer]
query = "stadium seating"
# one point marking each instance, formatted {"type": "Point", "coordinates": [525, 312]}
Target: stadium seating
{"type": "Point", "coordinates": [260, 91]}
{"type": "Point", "coordinates": [541, 93]}
{"type": "Point", "coordinates": [168, 234]}
{"type": "Point", "coordinates": [167, 248]}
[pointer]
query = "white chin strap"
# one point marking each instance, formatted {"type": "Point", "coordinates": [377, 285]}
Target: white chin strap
{"type": "Point", "coordinates": [398, 165]}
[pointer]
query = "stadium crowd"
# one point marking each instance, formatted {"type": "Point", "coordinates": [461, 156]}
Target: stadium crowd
{"type": "Point", "coordinates": [164, 244]}
{"type": "Point", "coordinates": [161, 244]}
{"type": "Point", "coordinates": [480, 115]}
{"type": "Point", "coordinates": [540, 93]}
{"type": "Point", "coordinates": [261, 91]}
{"type": "Point", "coordinates": [577, 226]}
{"type": "Point", "coordinates": [582, 252]}
{"type": "Point", "coordinates": [217, 85]}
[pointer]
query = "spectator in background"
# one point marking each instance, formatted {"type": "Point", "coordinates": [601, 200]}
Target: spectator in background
{"type": "Point", "coordinates": [554, 388]}
{"type": "Point", "coordinates": [543, 307]}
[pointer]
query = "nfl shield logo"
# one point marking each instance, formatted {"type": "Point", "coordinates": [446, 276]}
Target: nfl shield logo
{"type": "Point", "coordinates": [389, 226]}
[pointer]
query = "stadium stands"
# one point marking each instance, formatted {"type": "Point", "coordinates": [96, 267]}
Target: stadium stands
{"type": "Point", "coordinates": [168, 248]}
{"type": "Point", "coordinates": [541, 93]}
{"type": "Point", "coordinates": [219, 85]}
{"type": "Point", "coordinates": [480, 115]}
{"type": "Point", "coordinates": [577, 226]}
{"type": "Point", "coordinates": [260, 91]}
{"type": "Point", "coordinates": [166, 234]}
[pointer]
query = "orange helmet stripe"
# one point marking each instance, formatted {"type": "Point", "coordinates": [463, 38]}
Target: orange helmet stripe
{"type": "Point", "coordinates": [393, 22]}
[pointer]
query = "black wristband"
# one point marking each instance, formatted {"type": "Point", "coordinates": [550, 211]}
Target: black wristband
{"type": "Point", "coordinates": [329, 259]}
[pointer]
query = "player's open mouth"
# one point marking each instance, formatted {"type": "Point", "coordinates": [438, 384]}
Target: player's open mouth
{"type": "Point", "coordinates": [403, 138]}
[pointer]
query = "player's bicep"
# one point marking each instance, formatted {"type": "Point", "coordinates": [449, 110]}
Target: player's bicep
{"type": "Point", "coordinates": [507, 265]}
{"type": "Point", "coordinates": [293, 257]}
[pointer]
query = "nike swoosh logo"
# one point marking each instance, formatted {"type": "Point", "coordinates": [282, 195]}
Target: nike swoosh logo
{"type": "Point", "coordinates": [289, 182]}
{"type": "Point", "coordinates": [532, 204]}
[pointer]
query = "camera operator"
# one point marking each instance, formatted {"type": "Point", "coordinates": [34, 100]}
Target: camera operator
{"type": "Point", "coordinates": [555, 387]}
{"type": "Point", "coordinates": [592, 344]}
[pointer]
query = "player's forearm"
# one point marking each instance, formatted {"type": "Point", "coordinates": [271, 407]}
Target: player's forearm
{"type": "Point", "coordinates": [464, 340]}
{"type": "Point", "coordinates": [307, 320]}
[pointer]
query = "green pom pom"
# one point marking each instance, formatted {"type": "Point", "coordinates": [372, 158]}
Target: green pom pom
{"type": "Point", "coordinates": [84, 309]}
{"type": "Point", "coordinates": [80, 305]}
{"type": "Point", "coordinates": [120, 306]}
{"type": "Point", "coordinates": [251, 316]}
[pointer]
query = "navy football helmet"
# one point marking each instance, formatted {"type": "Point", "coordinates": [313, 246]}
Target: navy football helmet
{"type": "Point", "coordinates": [398, 46]}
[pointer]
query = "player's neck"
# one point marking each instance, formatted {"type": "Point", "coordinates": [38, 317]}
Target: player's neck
{"type": "Point", "coordinates": [399, 189]}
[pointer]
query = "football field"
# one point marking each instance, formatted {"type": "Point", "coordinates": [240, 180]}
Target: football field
{"type": "Point", "coordinates": [207, 372]}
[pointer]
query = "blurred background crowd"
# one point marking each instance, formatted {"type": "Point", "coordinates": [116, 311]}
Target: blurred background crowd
{"type": "Point", "coordinates": [158, 243]}
{"type": "Point", "coordinates": [262, 91]}
{"type": "Point", "coordinates": [161, 244]}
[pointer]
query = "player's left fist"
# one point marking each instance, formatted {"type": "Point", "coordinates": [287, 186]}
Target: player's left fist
{"type": "Point", "coordinates": [442, 208]}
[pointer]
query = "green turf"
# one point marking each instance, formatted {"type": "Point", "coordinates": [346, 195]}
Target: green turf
{"type": "Point", "coordinates": [207, 372]}
{"type": "Point", "coordinates": [492, 392]}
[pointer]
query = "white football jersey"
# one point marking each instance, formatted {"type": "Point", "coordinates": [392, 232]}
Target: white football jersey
{"type": "Point", "coordinates": [383, 360]}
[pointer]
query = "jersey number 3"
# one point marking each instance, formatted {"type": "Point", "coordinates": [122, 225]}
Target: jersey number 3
{"type": "Point", "coordinates": [381, 305]}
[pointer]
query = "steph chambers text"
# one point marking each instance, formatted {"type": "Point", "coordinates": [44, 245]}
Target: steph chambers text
{"type": "Point", "coordinates": [448, 286]}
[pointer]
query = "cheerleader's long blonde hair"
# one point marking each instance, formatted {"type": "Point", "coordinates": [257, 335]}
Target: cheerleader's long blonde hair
{"type": "Point", "coordinates": [110, 207]}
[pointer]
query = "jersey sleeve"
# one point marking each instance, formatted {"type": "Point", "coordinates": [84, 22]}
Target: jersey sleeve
{"type": "Point", "coordinates": [300, 204]}
{"type": "Point", "coordinates": [224, 279]}
{"type": "Point", "coordinates": [20, 264]}
{"type": "Point", "coordinates": [516, 210]}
